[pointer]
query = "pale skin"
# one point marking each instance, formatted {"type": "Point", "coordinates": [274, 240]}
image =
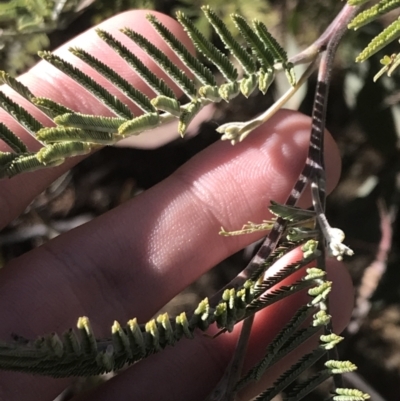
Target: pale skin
{"type": "Point", "coordinates": [132, 260]}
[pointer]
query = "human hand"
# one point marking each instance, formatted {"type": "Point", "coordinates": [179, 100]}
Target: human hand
{"type": "Point", "coordinates": [132, 260]}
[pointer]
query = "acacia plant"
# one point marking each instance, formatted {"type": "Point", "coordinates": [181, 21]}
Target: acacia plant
{"type": "Point", "coordinates": [258, 58]}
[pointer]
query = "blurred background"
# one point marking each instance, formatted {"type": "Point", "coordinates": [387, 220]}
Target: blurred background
{"type": "Point", "coordinates": [362, 116]}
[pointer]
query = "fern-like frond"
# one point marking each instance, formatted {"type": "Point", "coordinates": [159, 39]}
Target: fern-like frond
{"type": "Point", "coordinates": [372, 13]}
{"type": "Point", "coordinates": [56, 153]}
{"type": "Point", "coordinates": [179, 76]}
{"type": "Point", "coordinates": [90, 122]}
{"type": "Point", "coordinates": [56, 134]}
{"type": "Point", "coordinates": [275, 296]}
{"type": "Point", "coordinates": [11, 140]}
{"type": "Point", "coordinates": [279, 341]}
{"type": "Point", "coordinates": [89, 84]}
{"type": "Point", "coordinates": [7, 157]}
{"type": "Point", "coordinates": [72, 127]}
{"type": "Point", "coordinates": [262, 299]}
{"type": "Point", "coordinates": [155, 83]}
{"type": "Point", "coordinates": [82, 354]}
{"type": "Point", "coordinates": [277, 52]}
{"type": "Point", "coordinates": [264, 56]}
{"type": "Point", "coordinates": [291, 213]}
{"type": "Point", "coordinates": [16, 85]}
{"type": "Point", "coordinates": [237, 50]}
{"type": "Point", "coordinates": [346, 394]}
{"type": "Point", "coordinates": [389, 34]}
{"type": "Point", "coordinates": [20, 114]}
{"type": "Point", "coordinates": [50, 107]}
{"type": "Point", "coordinates": [23, 163]}
{"type": "Point", "coordinates": [73, 355]}
{"type": "Point", "coordinates": [279, 251]}
{"type": "Point", "coordinates": [222, 62]}
{"type": "Point", "coordinates": [199, 70]}
{"type": "Point", "coordinates": [300, 391]}
{"type": "Point", "coordinates": [141, 100]}
{"type": "Point", "coordinates": [292, 374]}
{"type": "Point", "coordinates": [139, 124]}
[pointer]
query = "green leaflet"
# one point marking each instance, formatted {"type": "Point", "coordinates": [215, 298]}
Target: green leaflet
{"type": "Point", "coordinates": [56, 153]}
{"type": "Point", "coordinates": [372, 13]}
{"type": "Point", "coordinates": [263, 55]}
{"type": "Point", "coordinates": [300, 391]}
{"type": "Point", "coordinates": [283, 337]}
{"type": "Point", "coordinates": [23, 163]}
{"type": "Point", "coordinates": [20, 114]}
{"type": "Point", "coordinates": [201, 72]}
{"type": "Point", "coordinates": [291, 213]}
{"type": "Point", "coordinates": [139, 124]}
{"type": "Point", "coordinates": [88, 83]}
{"type": "Point", "coordinates": [167, 104]}
{"type": "Point", "coordinates": [274, 48]}
{"type": "Point", "coordinates": [179, 77]}
{"type": "Point", "coordinates": [80, 353]}
{"type": "Point", "coordinates": [73, 127]}
{"type": "Point", "coordinates": [141, 100]}
{"type": "Point", "coordinates": [345, 394]}
{"type": "Point", "coordinates": [356, 2]}
{"type": "Point", "coordinates": [157, 84]}
{"type": "Point", "coordinates": [7, 157]}
{"type": "Point", "coordinates": [49, 107]}
{"type": "Point", "coordinates": [288, 377]}
{"type": "Point", "coordinates": [237, 50]}
{"type": "Point", "coordinates": [187, 116]}
{"type": "Point", "coordinates": [389, 34]}
{"type": "Point", "coordinates": [16, 85]}
{"type": "Point", "coordinates": [90, 122]}
{"type": "Point", "coordinates": [380, 41]}
{"type": "Point", "coordinates": [58, 134]}
{"type": "Point", "coordinates": [390, 64]}
{"type": "Point", "coordinates": [11, 140]}
{"type": "Point", "coordinates": [208, 49]}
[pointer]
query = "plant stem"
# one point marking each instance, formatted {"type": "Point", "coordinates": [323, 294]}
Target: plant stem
{"type": "Point", "coordinates": [340, 22]}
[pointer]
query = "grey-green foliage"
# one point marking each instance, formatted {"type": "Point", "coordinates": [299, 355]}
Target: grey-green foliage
{"type": "Point", "coordinates": [76, 133]}
{"type": "Point", "coordinates": [383, 39]}
{"type": "Point", "coordinates": [72, 354]}
{"type": "Point", "coordinates": [25, 25]}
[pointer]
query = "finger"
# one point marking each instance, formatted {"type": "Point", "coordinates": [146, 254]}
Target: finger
{"type": "Point", "coordinates": [47, 81]}
{"type": "Point", "coordinates": [192, 369]}
{"type": "Point", "coordinates": [132, 260]}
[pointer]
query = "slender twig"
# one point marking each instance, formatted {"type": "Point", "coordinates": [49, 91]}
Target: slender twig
{"type": "Point", "coordinates": [313, 170]}
{"type": "Point", "coordinates": [333, 34]}
{"type": "Point", "coordinates": [341, 20]}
